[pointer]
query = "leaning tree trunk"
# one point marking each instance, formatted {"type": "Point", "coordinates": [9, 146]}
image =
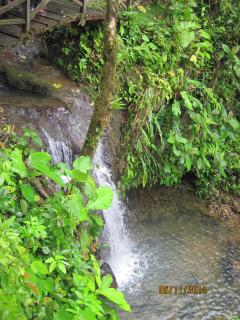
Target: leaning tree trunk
{"type": "Point", "coordinates": [102, 112]}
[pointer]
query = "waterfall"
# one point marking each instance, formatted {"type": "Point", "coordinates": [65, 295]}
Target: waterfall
{"type": "Point", "coordinates": [121, 258]}
{"type": "Point", "coordinates": [59, 149]}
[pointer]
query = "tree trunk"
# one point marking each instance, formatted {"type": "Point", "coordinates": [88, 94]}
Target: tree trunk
{"type": "Point", "coordinates": [102, 112]}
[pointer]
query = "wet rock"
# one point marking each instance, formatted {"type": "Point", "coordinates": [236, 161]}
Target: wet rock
{"type": "Point", "coordinates": [226, 206]}
{"type": "Point", "coordinates": [16, 78]}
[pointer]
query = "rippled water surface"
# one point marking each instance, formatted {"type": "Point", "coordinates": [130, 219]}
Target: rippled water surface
{"type": "Point", "coordinates": [182, 247]}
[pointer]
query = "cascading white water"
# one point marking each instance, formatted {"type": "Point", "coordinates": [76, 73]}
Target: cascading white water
{"type": "Point", "coordinates": [121, 259]}
{"type": "Point", "coordinates": [59, 149]}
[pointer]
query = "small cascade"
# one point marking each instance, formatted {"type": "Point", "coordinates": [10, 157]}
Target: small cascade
{"type": "Point", "coordinates": [121, 258]}
{"type": "Point", "coordinates": [59, 149]}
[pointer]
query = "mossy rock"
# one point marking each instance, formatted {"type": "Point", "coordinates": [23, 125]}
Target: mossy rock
{"type": "Point", "coordinates": [16, 78]}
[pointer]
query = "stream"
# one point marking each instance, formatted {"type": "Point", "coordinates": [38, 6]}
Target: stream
{"type": "Point", "coordinates": [183, 247]}
{"type": "Point", "coordinates": [156, 237]}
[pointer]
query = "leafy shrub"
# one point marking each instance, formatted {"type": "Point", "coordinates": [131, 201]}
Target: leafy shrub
{"type": "Point", "coordinates": [48, 268]}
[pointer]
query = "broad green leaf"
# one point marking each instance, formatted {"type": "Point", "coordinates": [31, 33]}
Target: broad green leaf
{"type": "Point", "coordinates": [106, 281]}
{"type": "Point", "coordinates": [176, 111]}
{"type": "Point", "coordinates": [62, 267]}
{"type": "Point", "coordinates": [145, 38]}
{"type": "Point", "coordinates": [87, 314]}
{"type": "Point", "coordinates": [103, 200]}
{"type": "Point", "coordinates": [53, 266]}
{"type": "Point", "coordinates": [78, 175]}
{"type": "Point", "coordinates": [83, 164]}
{"type": "Point", "coordinates": [39, 267]}
{"type": "Point", "coordinates": [116, 297]}
{"type": "Point", "coordinates": [40, 161]}
{"type": "Point", "coordinates": [226, 48]}
{"type": "Point", "coordinates": [171, 139]}
{"type": "Point", "coordinates": [187, 38]}
{"type": "Point", "coordinates": [234, 123]}
{"type": "Point", "coordinates": [18, 165]}
{"type": "Point", "coordinates": [185, 97]}
{"type": "Point", "coordinates": [29, 193]}
{"type": "Point", "coordinates": [62, 314]}
{"type": "Point", "coordinates": [74, 206]}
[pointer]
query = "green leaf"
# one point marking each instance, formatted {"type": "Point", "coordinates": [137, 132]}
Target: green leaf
{"type": "Point", "coordinates": [74, 206]}
{"type": "Point", "coordinates": [18, 165]}
{"type": "Point", "coordinates": [78, 175]}
{"type": "Point", "coordinates": [187, 38]}
{"type": "Point", "coordinates": [187, 102]}
{"type": "Point", "coordinates": [188, 163]}
{"type": "Point", "coordinates": [39, 267]}
{"type": "Point", "coordinates": [53, 266]}
{"type": "Point", "coordinates": [176, 111]}
{"type": "Point", "coordinates": [171, 139]}
{"type": "Point", "coordinates": [23, 205]}
{"type": "Point", "coordinates": [87, 314]}
{"type": "Point", "coordinates": [106, 281]}
{"type": "Point", "coordinates": [62, 314]}
{"type": "Point", "coordinates": [62, 267]}
{"type": "Point", "coordinates": [2, 179]}
{"type": "Point", "coordinates": [234, 123]}
{"type": "Point", "coordinates": [226, 49]}
{"type": "Point", "coordinates": [103, 200]}
{"type": "Point", "coordinates": [83, 164]}
{"type": "Point", "coordinates": [145, 38]}
{"type": "Point", "coordinates": [116, 297]}
{"type": "Point", "coordinates": [40, 162]}
{"type": "Point", "coordinates": [29, 193]}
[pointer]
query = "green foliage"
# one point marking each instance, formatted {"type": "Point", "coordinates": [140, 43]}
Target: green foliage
{"type": "Point", "coordinates": [47, 246]}
{"type": "Point", "coordinates": [180, 119]}
{"type": "Point", "coordinates": [178, 84]}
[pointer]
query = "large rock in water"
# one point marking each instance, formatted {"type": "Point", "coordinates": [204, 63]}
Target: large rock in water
{"type": "Point", "coordinates": [48, 103]}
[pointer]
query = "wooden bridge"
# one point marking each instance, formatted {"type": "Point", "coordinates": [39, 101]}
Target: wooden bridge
{"type": "Point", "coordinates": [18, 18]}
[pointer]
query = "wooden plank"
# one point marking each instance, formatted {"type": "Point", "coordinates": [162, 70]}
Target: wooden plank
{"type": "Point", "coordinates": [10, 6]}
{"type": "Point", "coordinates": [66, 5]}
{"type": "Point", "coordinates": [7, 41]}
{"type": "Point", "coordinates": [50, 15]}
{"type": "Point", "coordinates": [44, 20]}
{"type": "Point", "coordinates": [60, 10]}
{"type": "Point", "coordinates": [92, 17]}
{"type": "Point", "coordinates": [12, 30]}
{"type": "Point", "coordinates": [37, 27]}
{"type": "Point", "coordinates": [41, 6]}
{"type": "Point", "coordinates": [5, 22]}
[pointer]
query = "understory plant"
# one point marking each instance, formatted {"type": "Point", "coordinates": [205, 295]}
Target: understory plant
{"type": "Point", "coordinates": [178, 84]}
{"type": "Point", "coordinates": [49, 228]}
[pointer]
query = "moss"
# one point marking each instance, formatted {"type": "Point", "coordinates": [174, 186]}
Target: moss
{"type": "Point", "coordinates": [16, 78]}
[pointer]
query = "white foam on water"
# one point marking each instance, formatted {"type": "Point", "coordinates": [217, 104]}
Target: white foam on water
{"type": "Point", "coordinates": [122, 260]}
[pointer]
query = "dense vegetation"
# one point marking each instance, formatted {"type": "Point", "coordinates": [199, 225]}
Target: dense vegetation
{"type": "Point", "coordinates": [178, 83]}
{"type": "Point", "coordinates": [49, 236]}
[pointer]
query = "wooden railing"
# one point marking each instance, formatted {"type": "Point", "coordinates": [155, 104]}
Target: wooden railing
{"type": "Point", "coordinates": [27, 15]}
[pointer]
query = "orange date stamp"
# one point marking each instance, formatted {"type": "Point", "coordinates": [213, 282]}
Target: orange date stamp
{"type": "Point", "coordinates": [184, 290]}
